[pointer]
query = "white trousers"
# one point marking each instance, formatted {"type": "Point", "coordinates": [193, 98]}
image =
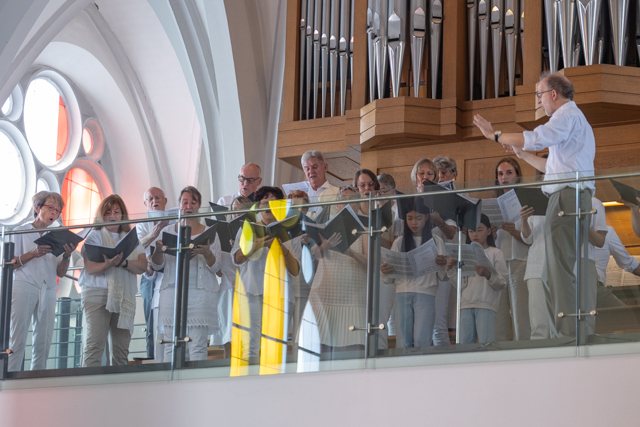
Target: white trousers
{"type": "Point", "coordinates": [196, 347]}
{"type": "Point", "coordinates": [538, 313]}
{"type": "Point", "coordinates": [157, 333]}
{"type": "Point", "coordinates": [519, 299]}
{"type": "Point", "coordinates": [26, 300]}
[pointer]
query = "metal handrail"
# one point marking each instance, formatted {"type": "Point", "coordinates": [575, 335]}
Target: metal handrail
{"type": "Point", "coordinates": [207, 214]}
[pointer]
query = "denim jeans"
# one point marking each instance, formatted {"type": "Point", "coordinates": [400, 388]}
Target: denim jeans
{"type": "Point", "coordinates": [477, 323]}
{"type": "Point", "coordinates": [415, 315]}
{"type": "Point", "coordinates": [441, 325]}
{"type": "Point", "coordinates": [146, 291]}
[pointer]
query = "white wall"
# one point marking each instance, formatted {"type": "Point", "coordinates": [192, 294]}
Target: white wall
{"type": "Point", "coordinates": [585, 391]}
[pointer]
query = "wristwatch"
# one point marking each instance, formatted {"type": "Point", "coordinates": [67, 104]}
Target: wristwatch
{"type": "Point", "coordinates": [497, 134]}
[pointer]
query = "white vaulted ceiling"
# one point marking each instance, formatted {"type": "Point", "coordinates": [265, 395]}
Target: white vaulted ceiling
{"type": "Point", "coordinates": [186, 90]}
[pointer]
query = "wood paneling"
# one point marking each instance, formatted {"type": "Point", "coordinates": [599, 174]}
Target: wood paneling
{"type": "Point", "coordinates": [390, 135]}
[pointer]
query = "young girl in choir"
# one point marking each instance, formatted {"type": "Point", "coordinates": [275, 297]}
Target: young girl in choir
{"type": "Point", "coordinates": [480, 292]}
{"type": "Point", "coordinates": [415, 298]}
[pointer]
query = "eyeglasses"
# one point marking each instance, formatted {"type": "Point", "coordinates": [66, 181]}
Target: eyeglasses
{"type": "Point", "coordinates": [539, 94]}
{"type": "Point", "coordinates": [243, 179]}
{"type": "Point", "coordinates": [53, 209]}
{"type": "Point", "coordinates": [369, 184]}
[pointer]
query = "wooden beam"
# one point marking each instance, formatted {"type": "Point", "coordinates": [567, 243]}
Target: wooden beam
{"type": "Point", "coordinates": [361, 76]}
{"type": "Point", "coordinates": [533, 25]}
{"type": "Point", "coordinates": [291, 68]}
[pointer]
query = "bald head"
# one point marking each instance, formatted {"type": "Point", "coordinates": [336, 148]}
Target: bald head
{"type": "Point", "coordinates": [154, 199]}
{"type": "Point", "coordinates": [249, 179]}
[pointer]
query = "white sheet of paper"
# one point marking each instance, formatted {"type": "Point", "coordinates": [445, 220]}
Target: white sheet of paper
{"type": "Point", "coordinates": [468, 257]}
{"type": "Point", "coordinates": [491, 208]}
{"type": "Point", "coordinates": [400, 263]}
{"type": "Point", "coordinates": [481, 257]}
{"type": "Point", "coordinates": [168, 212]}
{"type": "Point", "coordinates": [471, 255]}
{"type": "Point", "coordinates": [510, 206]}
{"type": "Point", "coordinates": [415, 263]}
{"type": "Point", "coordinates": [423, 259]}
{"type": "Point", "coordinates": [303, 185]}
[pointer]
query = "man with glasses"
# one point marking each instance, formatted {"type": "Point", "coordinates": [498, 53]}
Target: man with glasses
{"type": "Point", "coordinates": [248, 182]}
{"type": "Point", "coordinates": [572, 147]}
{"type": "Point", "coordinates": [150, 281]}
{"type": "Point", "coordinates": [315, 169]}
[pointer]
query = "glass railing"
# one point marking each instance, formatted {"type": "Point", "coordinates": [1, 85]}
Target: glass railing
{"type": "Point", "coordinates": [285, 286]}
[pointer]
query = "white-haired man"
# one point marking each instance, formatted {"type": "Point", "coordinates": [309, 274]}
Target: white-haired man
{"type": "Point", "coordinates": [150, 281]}
{"type": "Point", "coordinates": [315, 169]}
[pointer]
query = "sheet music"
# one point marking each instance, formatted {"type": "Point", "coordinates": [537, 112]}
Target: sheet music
{"type": "Point", "coordinates": [423, 259]}
{"type": "Point", "coordinates": [491, 208]}
{"type": "Point", "coordinates": [471, 255]}
{"type": "Point", "coordinates": [415, 263]}
{"type": "Point", "coordinates": [160, 214]}
{"type": "Point", "coordinates": [618, 277]}
{"type": "Point", "coordinates": [510, 206]}
{"type": "Point", "coordinates": [303, 186]}
{"type": "Point", "coordinates": [402, 268]}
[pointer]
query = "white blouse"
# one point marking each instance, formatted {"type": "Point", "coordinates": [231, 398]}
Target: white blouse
{"type": "Point", "coordinates": [87, 280]}
{"type": "Point", "coordinates": [201, 276]}
{"type": "Point", "coordinates": [40, 272]}
{"type": "Point", "coordinates": [252, 270]}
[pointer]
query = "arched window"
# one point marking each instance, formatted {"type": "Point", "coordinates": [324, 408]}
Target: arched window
{"type": "Point", "coordinates": [41, 150]}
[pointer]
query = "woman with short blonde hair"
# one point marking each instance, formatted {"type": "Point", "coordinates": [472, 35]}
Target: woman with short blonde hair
{"type": "Point", "coordinates": [34, 284]}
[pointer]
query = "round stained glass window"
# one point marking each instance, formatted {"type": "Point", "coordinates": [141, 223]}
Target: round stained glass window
{"type": "Point", "coordinates": [12, 177]}
{"type": "Point", "coordinates": [7, 107]}
{"type": "Point", "coordinates": [87, 141]}
{"type": "Point", "coordinates": [46, 121]}
{"type": "Point", "coordinates": [81, 197]}
{"type": "Point", "coordinates": [42, 185]}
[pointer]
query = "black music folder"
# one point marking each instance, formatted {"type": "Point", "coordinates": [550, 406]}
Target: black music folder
{"type": "Point", "coordinates": [58, 238]}
{"type": "Point", "coordinates": [170, 240]}
{"type": "Point", "coordinates": [346, 223]}
{"type": "Point", "coordinates": [465, 212]}
{"type": "Point", "coordinates": [627, 192]}
{"type": "Point", "coordinates": [534, 198]}
{"type": "Point", "coordinates": [126, 246]}
{"type": "Point", "coordinates": [226, 230]}
{"type": "Point", "coordinates": [384, 211]}
{"type": "Point", "coordinates": [219, 208]}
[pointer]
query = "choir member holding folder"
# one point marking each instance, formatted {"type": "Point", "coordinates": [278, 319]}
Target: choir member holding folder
{"type": "Point", "coordinates": [510, 242]}
{"type": "Point", "coordinates": [367, 183]}
{"type": "Point", "coordinates": [252, 266]}
{"type": "Point", "coordinates": [109, 284]}
{"type": "Point", "coordinates": [34, 283]}
{"type": "Point", "coordinates": [339, 290]}
{"type": "Point", "coordinates": [415, 291]}
{"type": "Point", "coordinates": [203, 285]}
{"type": "Point", "coordinates": [222, 334]}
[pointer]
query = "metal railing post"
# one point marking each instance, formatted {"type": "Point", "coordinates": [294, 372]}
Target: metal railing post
{"type": "Point", "coordinates": [181, 298]}
{"type": "Point", "coordinates": [64, 322]}
{"type": "Point", "coordinates": [77, 347]}
{"type": "Point", "coordinates": [6, 289]}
